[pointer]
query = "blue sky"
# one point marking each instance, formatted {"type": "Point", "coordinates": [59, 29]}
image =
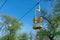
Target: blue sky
{"type": "Point", "coordinates": [17, 8]}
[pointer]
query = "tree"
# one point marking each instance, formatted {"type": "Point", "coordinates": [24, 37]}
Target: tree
{"type": "Point", "coordinates": [5, 37]}
{"type": "Point", "coordinates": [31, 36]}
{"type": "Point", "coordinates": [57, 6]}
{"type": "Point", "coordinates": [23, 36]}
{"type": "Point", "coordinates": [53, 24]}
{"type": "Point", "coordinates": [12, 25]}
{"type": "Point", "coordinates": [52, 28]}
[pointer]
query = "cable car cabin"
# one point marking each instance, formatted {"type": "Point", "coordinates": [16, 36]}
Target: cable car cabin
{"type": "Point", "coordinates": [40, 18]}
{"type": "Point", "coordinates": [35, 21]}
{"type": "Point", "coordinates": [37, 27]}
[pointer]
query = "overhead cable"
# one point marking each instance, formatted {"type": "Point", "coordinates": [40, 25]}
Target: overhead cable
{"type": "Point", "coordinates": [29, 10]}
{"type": "Point", "coordinates": [3, 4]}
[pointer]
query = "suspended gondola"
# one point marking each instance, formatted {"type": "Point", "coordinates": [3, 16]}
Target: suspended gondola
{"type": "Point", "coordinates": [37, 20]}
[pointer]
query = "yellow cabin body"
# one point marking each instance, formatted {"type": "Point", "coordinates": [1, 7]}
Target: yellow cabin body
{"type": "Point", "coordinates": [35, 21]}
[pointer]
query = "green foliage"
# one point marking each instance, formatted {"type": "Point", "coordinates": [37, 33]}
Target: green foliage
{"type": "Point", "coordinates": [42, 32]}
{"type": "Point", "coordinates": [13, 22]}
{"type": "Point", "coordinates": [51, 31]}
{"type": "Point", "coordinates": [12, 25]}
{"type": "Point", "coordinates": [9, 37]}
{"type": "Point", "coordinates": [31, 36]}
{"type": "Point", "coordinates": [57, 7]}
{"type": "Point", "coordinates": [56, 33]}
{"type": "Point", "coordinates": [23, 36]}
{"type": "Point", "coordinates": [53, 23]}
{"type": "Point", "coordinates": [12, 36]}
{"type": "Point", "coordinates": [5, 37]}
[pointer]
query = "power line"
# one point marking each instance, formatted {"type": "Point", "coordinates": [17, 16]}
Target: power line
{"type": "Point", "coordinates": [3, 4]}
{"type": "Point", "coordinates": [29, 11]}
